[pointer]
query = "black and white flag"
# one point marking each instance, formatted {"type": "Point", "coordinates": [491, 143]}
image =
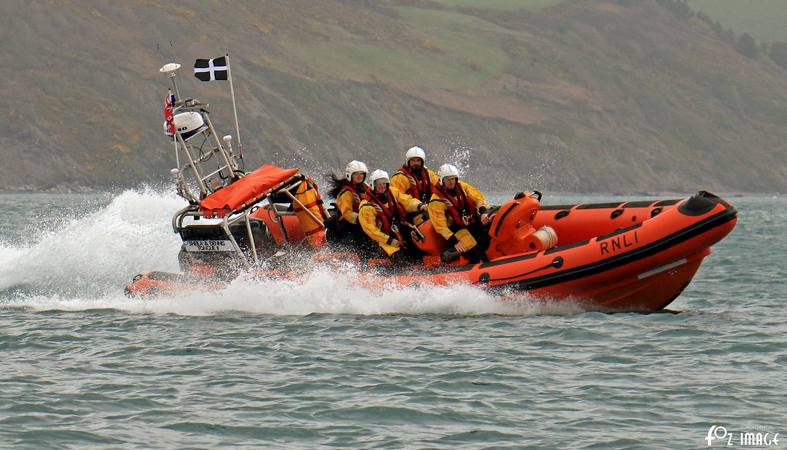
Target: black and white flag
{"type": "Point", "coordinates": [211, 69]}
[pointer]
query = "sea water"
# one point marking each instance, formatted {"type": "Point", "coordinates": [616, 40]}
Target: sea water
{"type": "Point", "coordinates": [323, 362]}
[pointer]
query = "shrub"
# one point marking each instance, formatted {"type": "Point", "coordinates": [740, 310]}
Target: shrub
{"type": "Point", "coordinates": [679, 8]}
{"type": "Point", "coordinates": [747, 47]}
{"type": "Point", "coordinates": [778, 53]}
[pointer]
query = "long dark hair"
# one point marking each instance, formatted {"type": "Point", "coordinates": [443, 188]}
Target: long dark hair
{"type": "Point", "coordinates": [336, 182]}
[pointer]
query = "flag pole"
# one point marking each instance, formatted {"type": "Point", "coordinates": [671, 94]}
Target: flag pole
{"type": "Point", "coordinates": [170, 70]}
{"type": "Point", "coordinates": [234, 108]}
{"type": "Point", "coordinates": [174, 137]}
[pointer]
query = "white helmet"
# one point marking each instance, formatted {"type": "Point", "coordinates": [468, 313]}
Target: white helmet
{"type": "Point", "coordinates": [447, 170]}
{"type": "Point", "coordinates": [378, 175]}
{"type": "Point", "coordinates": [415, 152]}
{"type": "Point", "coordinates": [355, 166]}
{"type": "Point", "coordinates": [187, 123]}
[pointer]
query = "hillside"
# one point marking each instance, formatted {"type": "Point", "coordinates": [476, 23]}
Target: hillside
{"type": "Point", "coordinates": [611, 96]}
{"type": "Point", "coordinates": [766, 20]}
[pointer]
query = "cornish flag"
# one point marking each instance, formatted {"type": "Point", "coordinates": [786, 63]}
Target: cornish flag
{"type": "Point", "coordinates": [211, 69]}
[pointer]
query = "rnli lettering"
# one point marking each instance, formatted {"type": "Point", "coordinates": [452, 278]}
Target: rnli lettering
{"type": "Point", "coordinates": [616, 243]}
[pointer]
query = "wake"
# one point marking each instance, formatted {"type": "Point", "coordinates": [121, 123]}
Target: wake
{"type": "Point", "coordinates": [83, 264]}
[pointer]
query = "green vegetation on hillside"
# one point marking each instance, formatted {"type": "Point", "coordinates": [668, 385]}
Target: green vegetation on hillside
{"type": "Point", "coordinates": [506, 5]}
{"type": "Point", "coordinates": [441, 50]}
{"type": "Point", "coordinates": [765, 20]}
{"type": "Point", "coordinates": [590, 95]}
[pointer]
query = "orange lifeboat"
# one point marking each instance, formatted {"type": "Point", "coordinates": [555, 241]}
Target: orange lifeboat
{"type": "Point", "coordinates": [617, 256]}
{"type": "Point", "coordinates": [621, 256]}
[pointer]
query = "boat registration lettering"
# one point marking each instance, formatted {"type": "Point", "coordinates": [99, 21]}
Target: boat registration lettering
{"type": "Point", "coordinates": [616, 243]}
{"type": "Point", "coordinates": [208, 246]}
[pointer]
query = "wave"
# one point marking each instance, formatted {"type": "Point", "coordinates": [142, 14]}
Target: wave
{"type": "Point", "coordinates": [322, 291]}
{"type": "Point", "coordinates": [83, 264]}
{"type": "Point", "coordinates": [97, 252]}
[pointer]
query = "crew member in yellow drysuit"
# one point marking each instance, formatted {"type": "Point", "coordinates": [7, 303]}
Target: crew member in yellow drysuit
{"type": "Point", "coordinates": [458, 212]}
{"type": "Point", "coordinates": [348, 191]}
{"type": "Point", "coordinates": [415, 179]}
{"type": "Point", "coordinates": [383, 217]}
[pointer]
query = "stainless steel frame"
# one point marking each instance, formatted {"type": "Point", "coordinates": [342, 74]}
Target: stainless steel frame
{"type": "Point", "coordinates": [244, 215]}
{"type": "Point", "coordinates": [195, 161]}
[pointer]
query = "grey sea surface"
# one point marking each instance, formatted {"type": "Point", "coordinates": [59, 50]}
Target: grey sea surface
{"type": "Point", "coordinates": [323, 362]}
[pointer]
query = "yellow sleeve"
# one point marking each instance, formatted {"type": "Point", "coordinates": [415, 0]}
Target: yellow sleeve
{"type": "Point", "coordinates": [344, 202]}
{"type": "Point", "coordinates": [400, 182]}
{"type": "Point", "coordinates": [367, 217]}
{"type": "Point", "coordinates": [475, 195]}
{"type": "Point", "coordinates": [437, 215]}
{"type": "Point", "coordinates": [432, 177]}
{"type": "Point", "coordinates": [410, 204]}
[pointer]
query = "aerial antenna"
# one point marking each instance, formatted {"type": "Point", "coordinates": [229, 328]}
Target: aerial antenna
{"type": "Point", "coordinates": [170, 69]}
{"type": "Point", "coordinates": [234, 108]}
{"type": "Point", "coordinates": [172, 50]}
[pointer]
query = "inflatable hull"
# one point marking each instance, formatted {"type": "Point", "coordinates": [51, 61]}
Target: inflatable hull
{"type": "Point", "coordinates": [626, 256]}
{"type": "Point", "coordinates": [642, 266]}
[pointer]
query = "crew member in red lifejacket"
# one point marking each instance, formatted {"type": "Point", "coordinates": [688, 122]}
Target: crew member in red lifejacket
{"type": "Point", "coordinates": [348, 192]}
{"type": "Point", "coordinates": [459, 212]}
{"type": "Point", "coordinates": [415, 179]}
{"type": "Point", "coordinates": [383, 217]}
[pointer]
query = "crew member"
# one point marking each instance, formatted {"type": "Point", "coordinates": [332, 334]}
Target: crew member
{"type": "Point", "coordinates": [414, 178]}
{"type": "Point", "coordinates": [349, 191]}
{"type": "Point", "coordinates": [459, 212]}
{"type": "Point", "coordinates": [383, 217]}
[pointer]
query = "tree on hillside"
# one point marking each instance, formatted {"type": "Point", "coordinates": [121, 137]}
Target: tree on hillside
{"type": "Point", "coordinates": [679, 8]}
{"type": "Point", "coordinates": [778, 53]}
{"type": "Point", "coordinates": [747, 47]}
{"type": "Point", "coordinates": [726, 35]}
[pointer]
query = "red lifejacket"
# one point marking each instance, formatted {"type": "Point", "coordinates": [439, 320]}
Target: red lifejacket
{"type": "Point", "coordinates": [357, 194]}
{"type": "Point", "coordinates": [388, 212]}
{"type": "Point", "coordinates": [420, 186]}
{"type": "Point", "coordinates": [459, 206]}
